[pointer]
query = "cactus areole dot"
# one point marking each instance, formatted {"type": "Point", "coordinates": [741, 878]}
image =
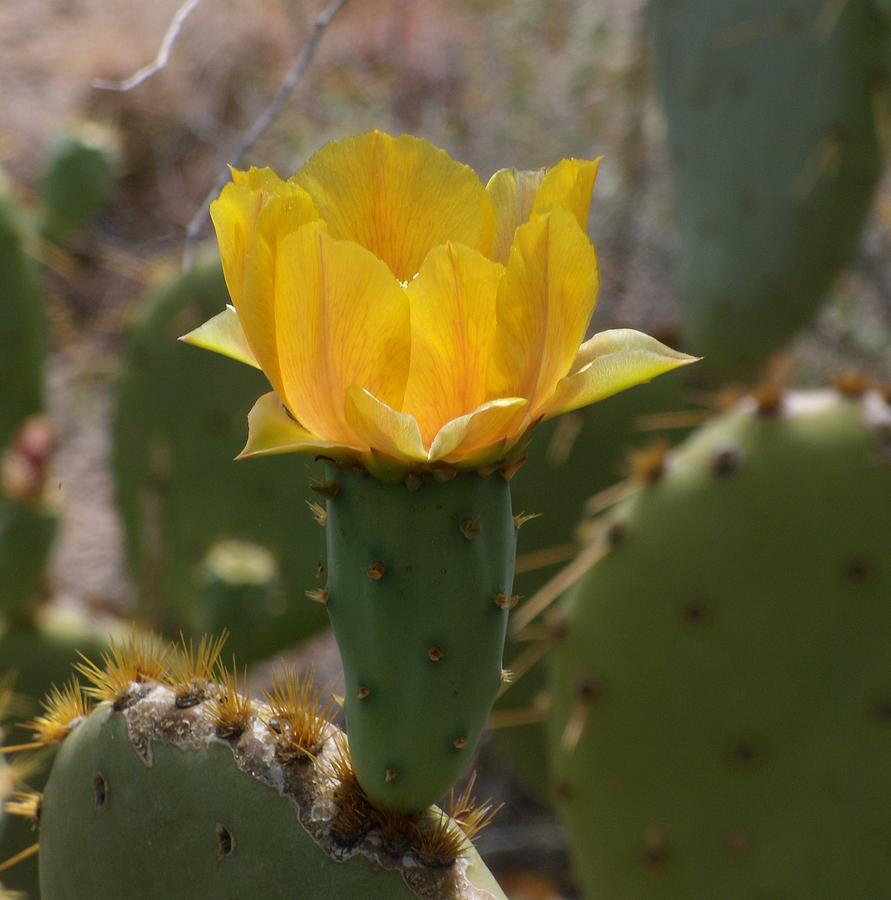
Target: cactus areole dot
{"type": "Point", "coordinates": [414, 326]}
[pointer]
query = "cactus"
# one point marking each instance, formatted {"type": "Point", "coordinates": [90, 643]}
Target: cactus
{"type": "Point", "coordinates": [419, 586]}
{"type": "Point", "coordinates": [180, 421]}
{"type": "Point", "coordinates": [721, 698]}
{"type": "Point", "coordinates": [241, 593]}
{"type": "Point", "coordinates": [569, 460]}
{"type": "Point", "coordinates": [183, 788]}
{"type": "Point", "coordinates": [78, 176]}
{"type": "Point", "coordinates": [772, 183]}
{"type": "Point", "coordinates": [22, 331]}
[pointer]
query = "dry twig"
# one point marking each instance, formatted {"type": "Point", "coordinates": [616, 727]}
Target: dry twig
{"type": "Point", "coordinates": [160, 61]}
{"type": "Point", "coordinates": [270, 114]}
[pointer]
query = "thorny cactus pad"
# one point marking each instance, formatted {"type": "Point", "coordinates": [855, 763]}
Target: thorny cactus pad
{"type": "Point", "coordinates": [772, 183]}
{"type": "Point", "coordinates": [722, 701]}
{"type": "Point", "coordinates": [180, 786]}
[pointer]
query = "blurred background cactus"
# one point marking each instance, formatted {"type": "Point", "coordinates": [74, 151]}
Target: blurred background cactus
{"type": "Point", "coordinates": [696, 697]}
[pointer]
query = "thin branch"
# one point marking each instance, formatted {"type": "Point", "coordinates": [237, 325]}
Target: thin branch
{"type": "Point", "coordinates": [271, 113]}
{"type": "Point", "coordinates": [160, 61]}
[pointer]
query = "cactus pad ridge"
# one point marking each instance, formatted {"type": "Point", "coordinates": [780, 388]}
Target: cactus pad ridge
{"type": "Point", "coordinates": [230, 708]}
{"type": "Point", "coordinates": [299, 721]}
{"type": "Point", "coordinates": [192, 668]}
{"type": "Point", "coordinates": [328, 820]}
{"type": "Point", "coordinates": [126, 666]}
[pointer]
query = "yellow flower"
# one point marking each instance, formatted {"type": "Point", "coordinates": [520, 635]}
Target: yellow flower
{"type": "Point", "coordinates": [406, 315]}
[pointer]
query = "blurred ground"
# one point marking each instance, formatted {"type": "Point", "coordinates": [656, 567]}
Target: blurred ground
{"type": "Point", "coordinates": [497, 83]}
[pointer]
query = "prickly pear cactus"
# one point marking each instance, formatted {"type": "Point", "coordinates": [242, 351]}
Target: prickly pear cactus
{"type": "Point", "coordinates": [721, 709]}
{"type": "Point", "coordinates": [187, 789]}
{"type": "Point", "coordinates": [22, 331]}
{"type": "Point", "coordinates": [78, 176]}
{"type": "Point", "coordinates": [242, 594]}
{"type": "Point", "coordinates": [570, 459]}
{"type": "Point", "coordinates": [419, 677]}
{"type": "Point", "coordinates": [180, 421]}
{"type": "Point", "coordinates": [772, 182]}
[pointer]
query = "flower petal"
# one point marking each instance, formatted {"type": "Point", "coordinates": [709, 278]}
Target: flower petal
{"type": "Point", "coordinates": [398, 197]}
{"type": "Point", "coordinates": [544, 303]}
{"type": "Point", "coordinates": [611, 362]}
{"type": "Point", "coordinates": [452, 327]}
{"type": "Point", "coordinates": [382, 427]}
{"type": "Point", "coordinates": [271, 430]}
{"type": "Point", "coordinates": [513, 196]}
{"type": "Point", "coordinates": [488, 426]}
{"type": "Point", "coordinates": [569, 184]}
{"type": "Point", "coordinates": [251, 216]}
{"type": "Point", "coordinates": [517, 195]}
{"type": "Point", "coordinates": [223, 334]}
{"type": "Point", "coordinates": [341, 320]}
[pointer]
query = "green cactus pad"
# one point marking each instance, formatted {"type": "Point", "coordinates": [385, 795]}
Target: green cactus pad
{"type": "Point", "coordinates": [148, 803]}
{"type": "Point", "coordinates": [26, 537]}
{"type": "Point", "coordinates": [22, 331]}
{"type": "Point", "coordinates": [37, 656]}
{"type": "Point", "coordinates": [181, 419]}
{"type": "Point", "coordinates": [79, 174]}
{"type": "Point", "coordinates": [414, 580]}
{"type": "Point", "coordinates": [772, 180]}
{"type": "Point", "coordinates": [569, 459]}
{"type": "Point", "coordinates": [241, 593]}
{"type": "Point", "coordinates": [721, 721]}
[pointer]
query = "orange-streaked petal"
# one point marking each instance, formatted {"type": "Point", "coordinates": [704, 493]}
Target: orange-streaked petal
{"type": "Point", "coordinates": [341, 320]}
{"type": "Point", "coordinates": [382, 427]}
{"type": "Point", "coordinates": [513, 196]}
{"type": "Point", "coordinates": [569, 184]}
{"type": "Point", "coordinates": [610, 362]}
{"type": "Point", "coordinates": [223, 334]}
{"type": "Point", "coordinates": [271, 430]}
{"type": "Point", "coordinates": [399, 197]}
{"type": "Point", "coordinates": [452, 328]}
{"type": "Point", "coordinates": [251, 216]}
{"type": "Point", "coordinates": [545, 301]}
{"type": "Point", "coordinates": [517, 195]}
{"type": "Point", "coordinates": [489, 425]}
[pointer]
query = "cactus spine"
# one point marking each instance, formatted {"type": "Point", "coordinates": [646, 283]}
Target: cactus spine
{"type": "Point", "coordinates": [419, 586]}
{"type": "Point", "coordinates": [240, 798]}
{"type": "Point", "coordinates": [570, 459]}
{"type": "Point", "coordinates": [721, 698]}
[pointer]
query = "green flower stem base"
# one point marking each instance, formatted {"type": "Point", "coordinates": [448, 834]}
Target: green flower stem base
{"type": "Point", "coordinates": [419, 587]}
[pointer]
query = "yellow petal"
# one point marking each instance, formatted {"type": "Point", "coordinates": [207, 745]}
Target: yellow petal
{"type": "Point", "coordinates": [398, 197]}
{"type": "Point", "coordinates": [382, 427]}
{"type": "Point", "coordinates": [488, 426]}
{"type": "Point", "coordinates": [544, 303]}
{"type": "Point", "coordinates": [452, 327]}
{"type": "Point", "coordinates": [271, 430]}
{"type": "Point", "coordinates": [251, 216]}
{"type": "Point", "coordinates": [569, 185]}
{"type": "Point", "coordinates": [223, 334]}
{"type": "Point", "coordinates": [517, 195]}
{"type": "Point", "coordinates": [341, 320]}
{"type": "Point", "coordinates": [611, 362]}
{"type": "Point", "coordinates": [513, 196]}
